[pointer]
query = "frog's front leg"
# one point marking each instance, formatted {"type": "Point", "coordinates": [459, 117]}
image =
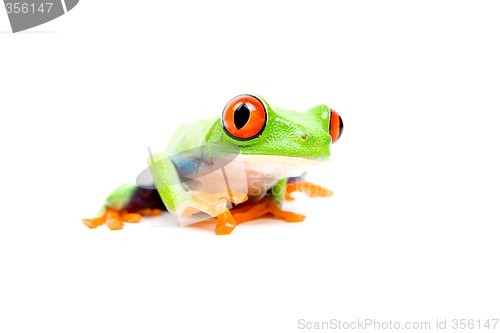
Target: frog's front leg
{"type": "Point", "coordinates": [129, 202]}
{"type": "Point", "coordinates": [184, 203]}
{"type": "Point", "coordinates": [270, 204]}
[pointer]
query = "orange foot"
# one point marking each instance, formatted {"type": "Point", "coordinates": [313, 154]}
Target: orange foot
{"type": "Point", "coordinates": [253, 210]}
{"type": "Point", "coordinates": [250, 211]}
{"type": "Point", "coordinates": [310, 189]}
{"type": "Point", "coordinates": [114, 219]}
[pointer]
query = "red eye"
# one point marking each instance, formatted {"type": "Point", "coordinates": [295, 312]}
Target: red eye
{"type": "Point", "coordinates": [244, 117]}
{"type": "Point", "coordinates": [336, 125]}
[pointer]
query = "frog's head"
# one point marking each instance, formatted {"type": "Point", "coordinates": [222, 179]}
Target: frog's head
{"type": "Point", "coordinates": [258, 128]}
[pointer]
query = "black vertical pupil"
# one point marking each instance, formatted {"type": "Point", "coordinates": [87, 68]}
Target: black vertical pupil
{"type": "Point", "coordinates": [341, 127]}
{"type": "Point", "coordinates": [241, 116]}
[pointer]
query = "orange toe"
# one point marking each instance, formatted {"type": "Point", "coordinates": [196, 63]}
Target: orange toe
{"type": "Point", "coordinates": [95, 222]}
{"type": "Point", "coordinates": [131, 218]}
{"type": "Point", "coordinates": [254, 210]}
{"type": "Point", "coordinates": [225, 223]}
{"type": "Point", "coordinates": [310, 189]}
{"type": "Point", "coordinates": [114, 219]}
{"type": "Point", "coordinates": [114, 224]}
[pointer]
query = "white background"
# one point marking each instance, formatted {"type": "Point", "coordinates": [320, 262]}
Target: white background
{"type": "Point", "coordinates": [412, 232]}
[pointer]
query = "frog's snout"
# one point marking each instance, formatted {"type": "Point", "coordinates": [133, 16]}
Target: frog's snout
{"type": "Point", "coordinates": [336, 126]}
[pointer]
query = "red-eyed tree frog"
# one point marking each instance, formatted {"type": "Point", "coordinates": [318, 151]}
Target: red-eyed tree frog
{"type": "Point", "coordinates": [275, 147]}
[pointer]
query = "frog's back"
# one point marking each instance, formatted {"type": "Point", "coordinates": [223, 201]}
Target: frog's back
{"type": "Point", "coordinates": [191, 135]}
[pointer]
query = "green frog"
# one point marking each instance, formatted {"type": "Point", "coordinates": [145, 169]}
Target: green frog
{"type": "Point", "coordinates": [274, 146]}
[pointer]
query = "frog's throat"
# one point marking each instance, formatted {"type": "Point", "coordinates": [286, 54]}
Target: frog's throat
{"type": "Point", "coordinates": [277, 167]}
{"type": "Point", "coordinates": [282, 159]}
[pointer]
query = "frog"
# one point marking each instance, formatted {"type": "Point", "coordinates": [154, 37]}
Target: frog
{"type": "Point", "coordinates": [276, 146]}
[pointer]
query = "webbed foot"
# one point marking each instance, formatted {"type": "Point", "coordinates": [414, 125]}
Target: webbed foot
{"type": "Point", "coordinates": [114, 219]}
{"type": "Point", "coordinates": [253, 210]}
{"type": "Point", "coordinates": [216, 206]}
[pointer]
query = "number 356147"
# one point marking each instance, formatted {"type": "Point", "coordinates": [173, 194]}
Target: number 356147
{"type": "Point", "coordinates": [25, 8]}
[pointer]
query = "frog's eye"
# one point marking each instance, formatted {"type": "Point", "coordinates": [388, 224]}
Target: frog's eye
{"type": "Point", "coordinates": [336, 125]}
{"type": "Point", "coordinates": [244, 117]}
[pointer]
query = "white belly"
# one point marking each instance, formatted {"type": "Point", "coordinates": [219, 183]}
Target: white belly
{"type": "Point", "coordinates": [253, 174]}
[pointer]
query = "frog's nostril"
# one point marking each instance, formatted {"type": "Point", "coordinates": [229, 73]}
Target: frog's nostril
{"type": "Point", "coordinates": [304, 137]}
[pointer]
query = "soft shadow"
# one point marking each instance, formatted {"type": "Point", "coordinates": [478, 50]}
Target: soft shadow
{"type": "Point", "coordinates": [8, 32]}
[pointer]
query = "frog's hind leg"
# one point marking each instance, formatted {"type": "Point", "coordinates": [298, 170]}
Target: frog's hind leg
{"type": "Point", "coordinates": [270, 204]}
{"type": "Point", "coordinates": [129, 203]}
{"type": "Point", "coordinates": [301, 185]}
{"type": "Point", "coordinates": [266, 206]}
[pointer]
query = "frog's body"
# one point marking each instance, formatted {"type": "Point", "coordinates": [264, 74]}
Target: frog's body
{"type": "Point", "coordinates": [273, 148]}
